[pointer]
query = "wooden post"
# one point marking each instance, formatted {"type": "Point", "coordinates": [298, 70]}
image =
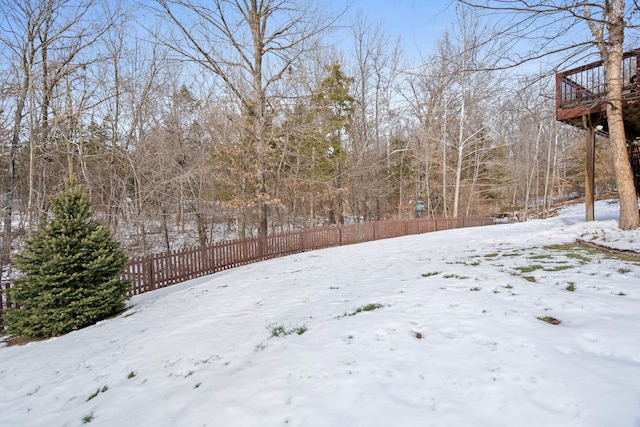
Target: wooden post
{"type": "Point", "coordinates": [589, 185]}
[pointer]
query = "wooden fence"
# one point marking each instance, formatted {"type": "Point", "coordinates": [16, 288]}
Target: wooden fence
{"type": "Point", "coordinates": [154, 271]}
{"type": "Point", "coordinates": [159, 270]}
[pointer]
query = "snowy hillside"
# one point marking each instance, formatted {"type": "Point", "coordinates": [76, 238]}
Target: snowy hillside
{"type": "Point", "coordinates": [439, 329]}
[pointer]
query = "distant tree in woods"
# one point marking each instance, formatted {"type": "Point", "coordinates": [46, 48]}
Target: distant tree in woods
{"type": "Point", "coordinates": [70, 271]}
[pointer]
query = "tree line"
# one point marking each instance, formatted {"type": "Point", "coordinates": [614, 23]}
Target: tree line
{"type": "Point", "coordinates": [192, 121]}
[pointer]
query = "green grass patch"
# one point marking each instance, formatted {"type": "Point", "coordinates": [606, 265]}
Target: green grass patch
{"type": "Point", "coordinates": [432, 273]}
{"type": "Point", "coordinates": [512, 254]}
{"type": "Point", "coordinates": [529, 278]}
{"type": "Point", "coordinates": [541, 257]}
{"type": "Point", "coordinates": [632, 258]}
{"type": "Point", "coordinates": [87, 419]}
{"type": "Point", "coordinates": [558, 268]}
{"type": "Point", "coordinates": [571, 287]}
{"type": "Point", "coordinates": [281, 330]}
{"type": "Point", "coordinates": [624, 270]}
{"type": "Point", "coordinates": [131, 375]}
{"type": "Point", "coordinates": [454, 276]}
{"type": "Point", "coordinates": [529, 268]}
{"type": "Point", "coordinates": [491, 255]}
{"type": "Point", "coordinates": [368, 307]}
{"type": "Point", "coordinates": [580, 257]}
{"type": "Point", "coordinates": [97, 392]}
{"type": "Point", "coordinates": [574, 251]}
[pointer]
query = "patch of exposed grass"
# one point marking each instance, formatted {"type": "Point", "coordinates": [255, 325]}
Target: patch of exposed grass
{"type": "Point", "coordinates": [87, 418]}
{"type": "Point", "coordinates": [529, 278]}
{"type": "Point", "coordinates": [431, 273]}
{"type": "Point", "coordinates": [624, 270]}
{"type": "Point", "coordinates": [454, 276]}
{"type": "Point", "coordinates": [571, 287]}
{"type": "Point", "coordinates": [558, 268]}
{"type": "Point", "coordinates": [281, 330]}
{"type": "Point", "coordinates": [574, 251]}
{"type": "Point", "coordinates": [632, 258]}
{"type": "Point", "coordinates": [580, 257]}
{"type": "Point", "coordinates": [491, 255]}
{"type": "Point", "coordinates": [97, 392]}
{"type": "Point", "coordinates": [368, 307]}
{"type": "Point", "coordinates": [529, 268]}
{"type": "Point", "coordinates": [545, 256]}
{"type": "Point", "coordinates": [476, 288]}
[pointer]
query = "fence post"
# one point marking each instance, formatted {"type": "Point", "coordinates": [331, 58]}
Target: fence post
{"type": "Point", "coordinates": [261, 247]}
{"type": "Point", "coordinates": [3, 305]}
{"type": "Point", "coordinates": [148, 274]}
{"type": "Point", "coordinates": [176, 266]}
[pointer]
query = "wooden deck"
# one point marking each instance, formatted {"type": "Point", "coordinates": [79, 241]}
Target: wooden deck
{"type": "Point", "coordinates": [581, 95]}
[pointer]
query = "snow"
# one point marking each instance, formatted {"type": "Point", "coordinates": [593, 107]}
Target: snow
{"type": "Point", "coordinates": [454, 339]}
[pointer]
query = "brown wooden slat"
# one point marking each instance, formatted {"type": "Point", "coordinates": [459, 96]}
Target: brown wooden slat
{"type": "Point", "coordinates": [159, 270]}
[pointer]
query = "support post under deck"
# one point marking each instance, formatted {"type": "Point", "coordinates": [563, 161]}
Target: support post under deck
{"type": "Point", "coordinates": [589, 185]}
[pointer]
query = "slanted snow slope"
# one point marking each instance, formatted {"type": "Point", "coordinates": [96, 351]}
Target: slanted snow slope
{"type": "Point", "coordinates": [454, 339]}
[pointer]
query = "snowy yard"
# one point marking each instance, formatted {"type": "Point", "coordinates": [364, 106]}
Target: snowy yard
{"type": "Point", "coordinates": [440, 329]}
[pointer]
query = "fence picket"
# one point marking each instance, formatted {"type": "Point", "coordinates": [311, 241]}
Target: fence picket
{"type": "Point", "coordinates": [149, 272]}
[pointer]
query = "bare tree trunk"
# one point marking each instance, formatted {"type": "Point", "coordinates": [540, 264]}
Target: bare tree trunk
{"type": "Point", "coordinates": [444, 164]}
{"type": "Point", "coordinates": [460, 150]}
{"type": "Point", "coordinates": [165, 229]}
{"type": "Point", "coordinates": [548, 180]}
{"type": "Point", "coordinates": [629, 216]}
{"type": "Point", "coordinates": [531, 175]}
{"type": "Point", "coordinates": [7, 207]}
{"type": "Point", "coordinates": [456, 189]}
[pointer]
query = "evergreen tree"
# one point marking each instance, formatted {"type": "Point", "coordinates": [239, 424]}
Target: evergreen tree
{"type": "Point", "coordinates": [71, 271]}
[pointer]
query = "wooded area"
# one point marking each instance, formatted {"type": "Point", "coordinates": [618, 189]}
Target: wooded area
{"type": "Point", "coordinates": [193, 122]}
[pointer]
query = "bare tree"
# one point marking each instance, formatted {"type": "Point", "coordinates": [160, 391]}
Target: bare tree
{"type": "Point", "coordinates": [376, 64]}
{"type": "Point", "coordinates": [42, 40]}
{"type": "Point", "coordinates": [457, 96]}
{"type": "Point", "coordinates": [250, 45]}
{"type": "Point", "coordinates": [545, 24]}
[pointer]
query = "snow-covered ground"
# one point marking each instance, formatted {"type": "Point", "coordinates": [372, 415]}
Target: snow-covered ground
{"type": "Point", "coordinates": [438, 329]}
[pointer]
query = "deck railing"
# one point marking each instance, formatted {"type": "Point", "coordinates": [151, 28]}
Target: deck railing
{"type": "Point", "coordinates": [584, 88]}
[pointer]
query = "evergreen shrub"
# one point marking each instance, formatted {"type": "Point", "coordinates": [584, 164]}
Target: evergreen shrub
{"type": "Point", "coordinates": [70, 271]}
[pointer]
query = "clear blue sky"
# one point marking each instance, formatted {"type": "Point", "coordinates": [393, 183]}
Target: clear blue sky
{"type": "Point", "coordinates": [418, 22]}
